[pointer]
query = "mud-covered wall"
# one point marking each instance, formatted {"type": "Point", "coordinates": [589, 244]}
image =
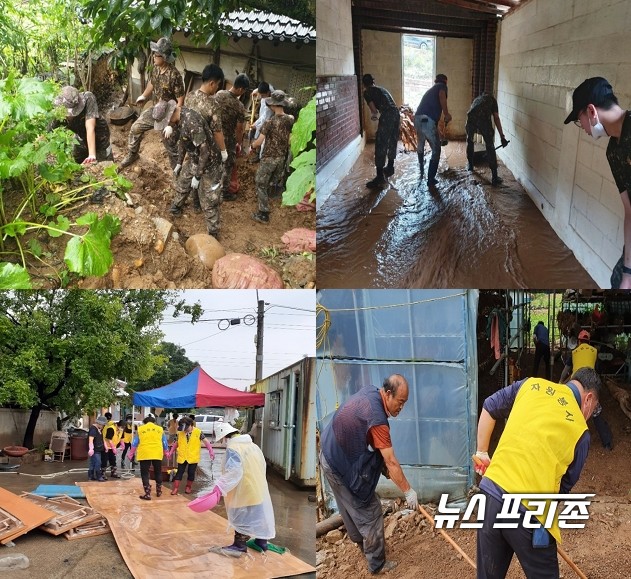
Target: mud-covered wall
{"type": "Point", "coordinates": [546, 50]}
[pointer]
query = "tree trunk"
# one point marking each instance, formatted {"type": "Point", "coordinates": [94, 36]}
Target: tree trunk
{"type": "Point", "coordinates": [30, 427]}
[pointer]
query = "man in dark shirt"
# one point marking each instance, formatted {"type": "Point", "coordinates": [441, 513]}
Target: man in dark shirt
{"type": "Point", "coordinates": [542, 449]}
{"type": "Point", "coordinates": [380, 102]}
{"type": "Point", "coordinates": [96, 447]}
{"type": "Point", "coordinates": [432, 105]}
{"type": "Point", "coordinates": [541, 338]}
{"type": "Point", "coordinates": [595, 109]}
{"type": "Point", "coordinates": [84, 120]}
{"type": "Point", "coordinates": [479, 121]}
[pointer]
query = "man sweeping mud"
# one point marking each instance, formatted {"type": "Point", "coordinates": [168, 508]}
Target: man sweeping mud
{"type": "Point", "coordinates": [542, 450]}
{"type": "Point", "coordinates": [356, 447]}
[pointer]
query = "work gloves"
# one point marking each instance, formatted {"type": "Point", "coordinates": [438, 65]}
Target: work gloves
{"type": "Point", "coordinates": [168, 131]}
{"type": "Point", "coordinates": [411, 499]}
{"type": "Point", "coordinates": [224, 156]}
{"type": "Point", "coordinates": [194, 183]}
{"type": "Point", "coordinates": [177, 169]}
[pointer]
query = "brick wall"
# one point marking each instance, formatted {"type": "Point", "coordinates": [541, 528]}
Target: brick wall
{"type": "Point", "coordinates": [337, 114]}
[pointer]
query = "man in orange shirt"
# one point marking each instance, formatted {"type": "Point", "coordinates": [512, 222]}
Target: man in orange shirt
{"type": "Point", "coordinates": [356, 448]}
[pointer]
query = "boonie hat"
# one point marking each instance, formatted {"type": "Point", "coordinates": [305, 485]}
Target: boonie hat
{"type": "Point", "coordinates": [163, 47]}
{"type": "Point", "coordinates": [278, 99]}
{"type": "Point", "coordinates": [162, 114]}
{"type": "Point", "coordinates": [71, 99]}
{"type": "Point", "coordinates": [593, 91]}
{"type": "Point", "coordinates": [101, 420]}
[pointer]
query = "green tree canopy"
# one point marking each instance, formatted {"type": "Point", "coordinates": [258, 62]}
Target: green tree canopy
{"type": "Point", "coordinates": [61, 349]}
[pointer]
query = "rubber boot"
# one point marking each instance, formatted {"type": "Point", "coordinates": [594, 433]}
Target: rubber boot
{"type": "Point", "coordinates": [147, 495]}
{"type": "Point", "coordinates": [262, 543]}
{"type": "Point", "coordinates": [495, 180]}
{"type": "Point", "coordinates": [431, 173]}
{"type": "Point", "coordinates": [238, 547]}
{"type": "Point", "coordinates": [389, 170]}
{"type": "Point", "coordinates": [189, 487]}
{"type": "Point", "coordinates": [176, 486]}
{"type": "Point", "coordinates": [114, 474]}
{"type": "Point", "coordinates": [158, 489]}
{"type": "Point", "coordinates": [130, 158]}
{"type": "Point", "coordinates": [378, 181]}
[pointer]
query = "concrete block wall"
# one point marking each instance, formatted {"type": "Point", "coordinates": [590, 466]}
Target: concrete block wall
{"type": "Point", "coordinates": [382, 56]}
{"type": "Point", "coordinates": [546, 50]}
{"type": "Point", "coordinates": [13, 425]}
{"type": "Point", "coordinates": [454, 58]}
{"type": "Point", "coordinates": [337, 117]}
{"type": "Point", "coordinates": [334, 48]}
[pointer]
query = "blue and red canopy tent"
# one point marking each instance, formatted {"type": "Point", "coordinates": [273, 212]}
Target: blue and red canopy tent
{"type": "Point", "coordinates": [197, 390]}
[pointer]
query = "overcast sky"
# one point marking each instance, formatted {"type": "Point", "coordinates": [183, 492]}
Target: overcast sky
{"type": "Point", "coordinates": [229, 355]}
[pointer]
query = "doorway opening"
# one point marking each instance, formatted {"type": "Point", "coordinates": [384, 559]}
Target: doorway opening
{"type": "Point", "coordinates": [419, 59]}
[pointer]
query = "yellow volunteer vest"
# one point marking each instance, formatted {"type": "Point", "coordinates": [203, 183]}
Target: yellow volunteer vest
{"type": "Point", "coordinates": [251, 488]}
{"type": "Point", "coordinates": [150, 442]}
{"type": "Point", "coordinates": [584, 356]}
{"type": "Point", "coordinates": [128, 436]}
{"type": "Point", "coordinates": [189, 451]}
{"type": "Point", "coordinates": [111, 424]}
{"type": "Point", "coordinates": [535, 463]}
{"type": "Point", "coordinates": [118, 434]}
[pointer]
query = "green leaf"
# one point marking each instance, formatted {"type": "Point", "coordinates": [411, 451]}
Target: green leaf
{"type": "Point", "coordinates": [156, 20]}
{"type": "Point", "coordinates": [14, 228]}
{"type": "Point", "coordinates": [47, 210]}
{"type": "Point", "coordinates": [90, 254]}
{"type": "Point", "coordinates": [305, 159]}
{"type": "Point", "coordinates": [35, 247]}
{"type": "Point", "coordinates": [14, 277]}
{"type": "Point", "coordinates": [299, 183]}
{"type": "Point", "coordinates": [303, 129]}
{"type": "Point", "coordinates": [62, 223]}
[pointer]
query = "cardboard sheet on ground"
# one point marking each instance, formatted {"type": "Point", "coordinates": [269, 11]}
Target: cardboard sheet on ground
{"type": "Point", "coordinates": [163, 538]}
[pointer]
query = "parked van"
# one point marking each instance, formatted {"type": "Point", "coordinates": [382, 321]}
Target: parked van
{"type": "Point", "coordinates": [206, 423]}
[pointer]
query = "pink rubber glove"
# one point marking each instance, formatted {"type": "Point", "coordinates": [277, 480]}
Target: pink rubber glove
{"type": "Point", "coordinates": [211, 452]}
{"type": "Point", "coordinates": [168, 454]}
{"type": "Point", "coordinates": [91, 452]}
{"type": "Point", "coordinates": [131, 453]}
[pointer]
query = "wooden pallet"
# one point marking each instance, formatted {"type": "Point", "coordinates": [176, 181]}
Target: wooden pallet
{"type": "Point", "coordinates": [70, 513]}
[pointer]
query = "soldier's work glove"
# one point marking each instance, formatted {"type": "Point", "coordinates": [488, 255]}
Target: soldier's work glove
{"type": "Point", "coordinates": [141, 99]}
{"type": "Point", "coordinates": [89, 160]}
{"type": "Point", "coordinates": [481, 461]}
{"type": "Point", "coordinates": [177, 169]}
{"type": "Point", "coordinates": [224, 156]}
{"type": "Point", "coordinates": [504, 142]}
{"type": "Point", "coordinates": [411, 499]}
{"type": "Point", "coordinates": [168, 131]}
{"type": "Point", "coordinates": [194, 183]}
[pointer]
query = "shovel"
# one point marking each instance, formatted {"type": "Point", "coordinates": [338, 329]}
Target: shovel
{"type": "Point", "coordinates": [251, 130]}
{"type": "Point", "coordinates": [501, 146]}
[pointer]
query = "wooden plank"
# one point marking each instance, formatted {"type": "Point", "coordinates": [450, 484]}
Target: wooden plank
{"type": "Point", "coordinates": [163, 538]}
{"type": "Point", "coordinates": [98, 527]}
{"type": "Point", "coordinates": [68, 513]}
{"type": "Point", "coordinates": [29, 514]}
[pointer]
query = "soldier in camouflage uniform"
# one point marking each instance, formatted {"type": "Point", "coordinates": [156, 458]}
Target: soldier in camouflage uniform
{"type": "Point", "coordinates": [203, 101]}
{"type": "Point", "coordinates": [379, 100]}
{"type": "Point", "coordinates": [232, 114]}
{"type": "Point", "coordinates": [275, 133]}
{"type": "Point", "coordinates": [595, 109]}
{"type": "Point", "coordinates": [479, 121]}
{"type": "Point", "coordinates": [166, 84]}
{"type": "Point", "coordinates": [201, 167]}
{"type": "Point", "coordinates": [83, 119]}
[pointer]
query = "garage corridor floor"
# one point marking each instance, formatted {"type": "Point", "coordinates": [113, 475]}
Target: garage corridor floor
{"type": "Point", "coordinates": [465, 234]}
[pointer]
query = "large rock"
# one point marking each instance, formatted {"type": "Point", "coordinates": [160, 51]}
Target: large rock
{"type": "Point", "coordinates": [299, 239]}
{"type": "Point", "coordinates": [239, 271]}
{"type": "Point", "coordinates": [205, 248]}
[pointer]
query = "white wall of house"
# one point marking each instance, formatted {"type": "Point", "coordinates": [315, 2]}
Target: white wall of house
{"type": "Point", "coordinates": [546, 50]}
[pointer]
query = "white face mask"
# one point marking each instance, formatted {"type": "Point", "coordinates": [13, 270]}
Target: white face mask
{"type": "Point", "coordinates": [598, 130]}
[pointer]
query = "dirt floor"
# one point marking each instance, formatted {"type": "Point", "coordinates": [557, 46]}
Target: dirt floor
{"type": "Point", "coordinates": [53, 557]}
{"type": "Point", "coordinates": [466, 233]}
{"type": "Point", "coordinates": [602, 550]}
{"type": "Point", "coordinates": [140, 263]}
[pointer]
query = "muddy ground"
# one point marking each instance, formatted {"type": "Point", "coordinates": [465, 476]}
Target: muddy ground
{"type": "Point", "coordinates": [137, 262]}
{"type": "Point", "coordinates": [602, 550]}
{"type": "Point", "coordinates": [465, 233]}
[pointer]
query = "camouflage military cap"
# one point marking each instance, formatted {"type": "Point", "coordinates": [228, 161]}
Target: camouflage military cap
{"type": "Point", "coordinates": [71, 99]}
{"type": "Point", "coordinates": [162, 114]}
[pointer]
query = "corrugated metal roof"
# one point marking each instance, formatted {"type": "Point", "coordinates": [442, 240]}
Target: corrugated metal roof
{"type": "Point", "coordinates": [265, 25]}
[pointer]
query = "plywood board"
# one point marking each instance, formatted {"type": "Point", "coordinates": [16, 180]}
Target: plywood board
{"type": "Point", "coordinates": [29, 514]}
{"type": "Point", "coordinates": [163, 538]}
{"type": "Point", "coordinates": [98, 527]}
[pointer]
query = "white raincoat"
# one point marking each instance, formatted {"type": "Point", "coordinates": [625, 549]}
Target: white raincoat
{"type": "Point", "coordinates": [244, 487]}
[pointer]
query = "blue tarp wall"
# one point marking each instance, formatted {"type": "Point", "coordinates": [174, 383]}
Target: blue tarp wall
{"type": "Point", "coordinates": [428, 336]}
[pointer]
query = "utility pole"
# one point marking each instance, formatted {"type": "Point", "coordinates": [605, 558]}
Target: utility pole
{"type": "Point", "coordinates": [259, 340]}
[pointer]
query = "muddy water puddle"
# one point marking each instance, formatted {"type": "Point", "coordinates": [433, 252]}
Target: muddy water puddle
{"type": "Point", "coordinates": [464, 233]}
